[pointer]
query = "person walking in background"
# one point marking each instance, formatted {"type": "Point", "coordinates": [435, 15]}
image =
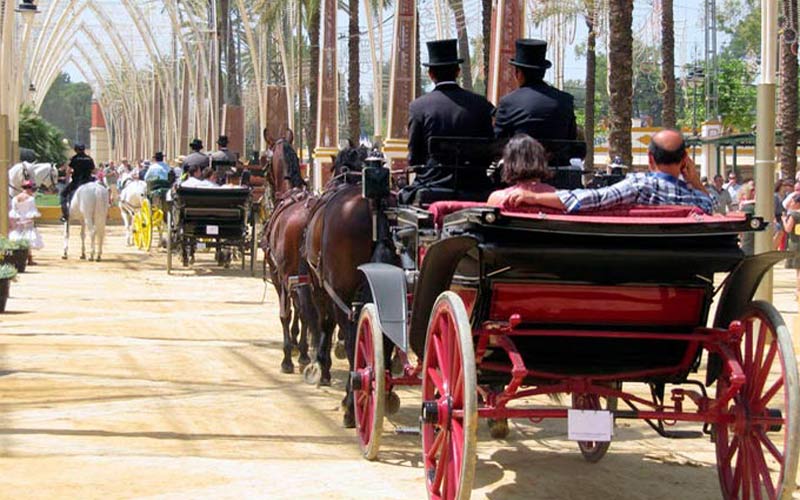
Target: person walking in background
{"type": "Point", "coordinates": [24, 213]}
{"type": "Point", "coordinates": [790, 220]}
{"type": "Point", "coordinates": [733, 187]}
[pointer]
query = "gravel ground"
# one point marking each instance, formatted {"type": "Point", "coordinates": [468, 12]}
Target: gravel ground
{"type": "Point", "coordinates": [118, 381]}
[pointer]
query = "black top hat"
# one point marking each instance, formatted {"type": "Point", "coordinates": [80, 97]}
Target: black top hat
{"type": "Point", "coordinates": [79, 147]}
{"type": "Point", "coordinates": [531, 54]}
{"type": "Point", "coordinates": [196, 144]}
{"type": "Point", "coordinates": [223, 140]}
{"type": "Point", "coordinates": [443, 53]}
{"type": "Point", "coordinates": [159, 156]}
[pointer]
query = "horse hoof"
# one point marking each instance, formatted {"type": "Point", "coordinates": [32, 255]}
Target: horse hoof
{"type": "Point", "coordinates": [83, 257]}
{"type": "Point", "coordinates": [97, 259]}
{"type": "Point", "coordinates": [312, 374]}
{"type": "Point", "coordinates": [339, 350]}
{"type": "Point", "coordinates": [324, 381]}
{"type": "Point", "coordinates": [349, 420]}
{"type": "Point", "coordinates": [303, 361]}
{"type": "Point", "coordinates": [287, 367]}
{"type": "Point", "coordinates": [63, 257]}
{"type": "Point", "coordinates": [498, 428]}
{"type": "Point", "coordinates": [392, 403]}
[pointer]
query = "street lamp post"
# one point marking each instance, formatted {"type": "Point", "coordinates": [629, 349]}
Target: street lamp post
{"type": "Point", "coordinates": [9, 95]}
{"type": "Point", "coordinates": [765, 133]}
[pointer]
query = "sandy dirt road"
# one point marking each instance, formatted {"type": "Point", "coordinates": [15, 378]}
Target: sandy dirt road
{"type": "Point", "coordinates": [118, 381]}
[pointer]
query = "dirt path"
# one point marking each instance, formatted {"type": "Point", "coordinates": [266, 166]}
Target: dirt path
{"type": "Point", "coordinates": [119, 381]}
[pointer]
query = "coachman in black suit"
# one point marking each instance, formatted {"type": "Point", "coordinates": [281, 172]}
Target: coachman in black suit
{"type": "Point", "coordinates": [447, 111]}
{"type": "Point", "coordinates": [535, 108]}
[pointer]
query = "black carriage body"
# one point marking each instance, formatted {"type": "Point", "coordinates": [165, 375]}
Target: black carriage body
{"type": "Point", "coordinates": [581, 292]}
{"type": "Point", "coordinates": [219, 218]}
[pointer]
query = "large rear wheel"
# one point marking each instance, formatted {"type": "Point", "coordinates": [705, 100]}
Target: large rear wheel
{"type": "Point", "coordinates": [368, 382]}
{"type": "Point", "coordinates": [449, 402]}
{"type": "Point", "coordinates": [757, 449]}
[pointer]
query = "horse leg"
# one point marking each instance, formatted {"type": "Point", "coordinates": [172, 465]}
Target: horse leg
{"type": "Point", "coordinates": [295, 322]}
{"type": "Point", "coordinates": [66, 240]}
{"type": "Point", "coordinates": [284, 304]}
{"type": "Point", "coordinates": [83, 240]}
{"type": "Point", "coordinates": [100, 228]}
{"type": "Point", "coordinates": [302, 299]}
{"type": "Point", "coordinates": [92, 238]}
{"type": "Point", "coordinates": [349, 329]}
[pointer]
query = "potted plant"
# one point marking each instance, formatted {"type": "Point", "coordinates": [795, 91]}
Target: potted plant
{"type": "Point", "coordinates": [15, 252]}
{"type": "Point", "coordinates": [7, 273]}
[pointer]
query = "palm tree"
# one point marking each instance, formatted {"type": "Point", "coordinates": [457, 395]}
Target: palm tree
{"type": "Point", "coordinates": [788, 103]}
{"type": "Point", "coordinates": [313, 9]}
{"type": "Point", "coordinates": [591, 72]}
{"type": "Point", "coordinates": [354, 77]}
{"type": "Point", "coordinates": [620, 78]}
{"type": "Point", "coordinates": [486, 29]}
{"type": "Point", "coordinates": [668, 63]}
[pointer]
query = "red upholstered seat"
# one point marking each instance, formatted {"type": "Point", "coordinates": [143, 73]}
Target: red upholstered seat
{"type": "Point", "coordinates": [635, 214]}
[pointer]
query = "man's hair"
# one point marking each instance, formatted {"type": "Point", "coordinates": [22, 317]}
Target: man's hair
{"type": "Point", "coordinates": [532, 75]}
{"type": "Point", "coordinates": [663, 156]}
{"type": "Point", "coordinates": [208, 173]}
{"type": "Point", "coordinates": [192, 170]}
{"type": "Point", "coordinates": [447, 73]}
{"type": "Point", "coordinates": [159, 156]}
{"type": "Point", "coordinates": [718, 176]}
{"type": "Point", "coordinates": [524, 159]}
{"type": "Point", "coordinates": [223, 140]}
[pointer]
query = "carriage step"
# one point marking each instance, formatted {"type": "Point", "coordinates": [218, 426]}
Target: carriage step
{"type": "Point", "coordinates": [406, 431]}
{"type": "Point", "coordinates": [683, 434]}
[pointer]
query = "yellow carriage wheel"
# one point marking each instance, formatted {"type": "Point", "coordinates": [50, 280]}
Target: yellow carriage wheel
{"type": "Point", "coordinates": [147, 225]}
{"type": "Point", "coordinates": [137, 230]}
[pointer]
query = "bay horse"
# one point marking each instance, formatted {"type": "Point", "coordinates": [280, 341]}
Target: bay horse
{"type": "Point", "coordinates": [282, 165]}
{"type": "Point", "coordinates": [281, 244]}
{"type": "Point", "coordinates": [338, 240]}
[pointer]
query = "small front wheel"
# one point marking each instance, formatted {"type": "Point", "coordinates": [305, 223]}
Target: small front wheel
{"type": "Point", "coordinates": [368, 382]}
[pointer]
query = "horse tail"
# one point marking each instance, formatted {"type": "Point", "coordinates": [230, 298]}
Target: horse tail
{"type": "Point", "coordinates": [292, 166]}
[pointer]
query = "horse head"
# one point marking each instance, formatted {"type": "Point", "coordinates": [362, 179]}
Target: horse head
{"type": "Point", "coordinates": [46, 176]}
{"type": "Point", "coordinates": [350, 159]}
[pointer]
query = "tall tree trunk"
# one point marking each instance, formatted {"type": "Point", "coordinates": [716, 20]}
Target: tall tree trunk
{"type": "Point", "coordinates": [591, 75]}
{"type": "Point", "coordinates": [668, 63]}
{"type": "Point", "coordinates": [354, 77]}
{"type": "Point", "coordinates": [788, 102]}
{"type": "Point", "coordinates": [463, 42]}
{"type": "Point", "coordinates": [486, 28]}
{"type": "Point", "coordinates": [418, 60]}
{"type": "Point", "coordinates": [233, 95]}
{"type": "Point", "coordinates": [620, 78]}
{"type": "Point", "coordinates": [313, 74]}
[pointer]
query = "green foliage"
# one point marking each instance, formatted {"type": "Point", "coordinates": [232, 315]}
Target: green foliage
{"type": "Point", "coordinates": [68, 106]}
{"type": "Point", "coordinates": [38, 134]}
{"type": "Point", "coordinates": [10, 245]}
{"type": "Point", "coordinates": [737, 95]}
{"type": "Point", "coordinates": [7, 272]}
{"type": "Point", "coordinates": [741, 19]}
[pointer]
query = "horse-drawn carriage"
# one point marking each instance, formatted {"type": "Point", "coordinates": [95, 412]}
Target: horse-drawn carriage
{"type": "Point", "coordinates": [611, 308]}
{"type": "Point", "coordinates": [222, 220]}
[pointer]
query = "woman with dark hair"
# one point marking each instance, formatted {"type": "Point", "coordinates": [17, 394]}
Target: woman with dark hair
{"type": "Point", "coordinates": [524, 169]}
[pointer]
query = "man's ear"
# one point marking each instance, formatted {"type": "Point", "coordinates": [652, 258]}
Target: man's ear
{"type": "Point", "coordinates": [651, 163]}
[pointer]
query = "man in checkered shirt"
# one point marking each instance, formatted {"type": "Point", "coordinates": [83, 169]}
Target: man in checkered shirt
{"type": "Point", "coordinates": [672, 180]}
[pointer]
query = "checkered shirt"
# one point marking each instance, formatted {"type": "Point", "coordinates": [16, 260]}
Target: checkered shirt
{"type": "Point", "coordinates": [652, 188]}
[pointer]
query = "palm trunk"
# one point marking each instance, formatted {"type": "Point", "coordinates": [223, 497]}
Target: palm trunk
{"type": "Point", "coordinates": [463, 43]}
{"type": "Point", "coordinates": [591, 74]}
{"type": "Point", "coordinates": [353, 79]}
{"type": "Point", "coordinates": [313, 74]}
{"type": "Point", "coordinates": [668, 63]}
{"type": "Point", "coordinates": [620, 78]}
{"type": "Point", "coordinates": [418, 61]}
{"type": "Point", "coordinates": [788, 102]}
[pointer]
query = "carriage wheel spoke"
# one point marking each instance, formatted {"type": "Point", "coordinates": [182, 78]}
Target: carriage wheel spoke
{"type": "Point", "coordinates": [763, 471]}
{"type": "Point", "coordinates": [734, 446]}
{"type": "Point", "coordinates": [437, 380]}
{"type": "Point", "coordinates": [458, 391]}
{"type": "Point", "coordinates": [747, 356]}
{"type": "Point", "coordinates": [756, 365]}
{"type": "Point", "coordinates": [737, 475]}
{"type": "Point", "coordinates": [440, 356]}
{"type": "Point", "coordinates": [437, 443]}
{"type": "Point", "coordinates": [769, 445]}
{"type": "Point", "coordinates": [763, 372]}
{"type": "Point", "coordinates": [770, 393]}
{"type": "Point", "coordinates": [441, 464]}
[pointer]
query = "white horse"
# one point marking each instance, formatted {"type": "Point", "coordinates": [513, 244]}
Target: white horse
{"type": "Point", "coordinates": [42, 174]}
{"type": "Point", "coordinates": [130, 200]}
{"type": "Point", "coordinates": [89, 205]}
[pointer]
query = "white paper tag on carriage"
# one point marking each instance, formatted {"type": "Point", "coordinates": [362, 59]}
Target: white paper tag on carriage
{"type": "Point", "coordinates": [589, 425]}
{"type": "Point", "coordinates": [212, 230]}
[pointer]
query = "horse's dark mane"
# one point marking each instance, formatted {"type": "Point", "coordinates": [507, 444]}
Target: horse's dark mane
{"type": "Point", "coordinates": [351, 158]}
{"type": "Point", "coordinates": [292, 173]}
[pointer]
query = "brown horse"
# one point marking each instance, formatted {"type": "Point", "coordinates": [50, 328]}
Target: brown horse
{"type": "Point", "coordinates": [282, 240]}
{"type": "Point", "coordinates": [339, 239]}
{"type": "Point", "coordinates": [282, 165]}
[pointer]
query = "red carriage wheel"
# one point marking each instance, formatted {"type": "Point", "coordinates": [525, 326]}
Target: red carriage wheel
{"type": "Point", "coordinates": [368, 382]}
{"type": "Point", "coordinates": [592, 451]}
{"type": "Point", "coordinates": [757, 448]}
{"type": "Point", "coordinates": [449, 402]}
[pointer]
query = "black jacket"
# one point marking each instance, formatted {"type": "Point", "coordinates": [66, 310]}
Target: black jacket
{"type": "Point", "coordinates": [82, 167]}
{"type": "Point", "coordinates": [447, 111]}
{"type": "Point", "coordinates": [539, 110]}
